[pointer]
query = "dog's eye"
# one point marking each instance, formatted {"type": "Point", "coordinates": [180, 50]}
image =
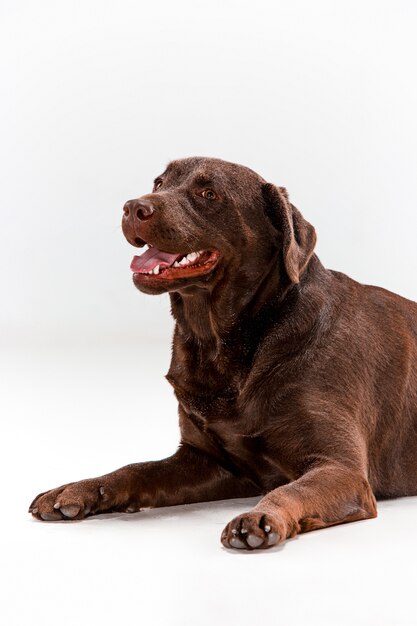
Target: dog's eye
{"type": "Point", "coordinates": [208, 194]}
{"type": "Point", "coordinates": [157, 185]}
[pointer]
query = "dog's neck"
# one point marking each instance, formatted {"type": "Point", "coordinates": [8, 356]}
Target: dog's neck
{"type": "Point", "coordinates": [218, 320]}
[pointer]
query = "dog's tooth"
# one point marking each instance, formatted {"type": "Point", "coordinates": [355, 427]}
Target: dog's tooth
{"type": "Point", "coordinates": [176, 264]}
{"type": "Point", "coordinates": [183, 261]}
{"type": "Point", "coordinates": [192, 256]}
{"type": "Point", "coordinates": [156, 270]}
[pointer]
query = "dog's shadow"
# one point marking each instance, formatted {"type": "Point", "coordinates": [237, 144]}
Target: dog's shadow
{"type": "Point", "coordinates": [208, 509]}
{"type": "Point", "coordinates": [218, 513]}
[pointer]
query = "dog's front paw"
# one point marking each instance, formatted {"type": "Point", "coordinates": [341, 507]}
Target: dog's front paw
{"type": "Point", "coordinates": [253, 530]}
{"type": "Point", "coordinates": [74, 501]}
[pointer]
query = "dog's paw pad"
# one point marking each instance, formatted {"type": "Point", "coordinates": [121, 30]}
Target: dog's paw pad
{"type": "Point", "coordinates": [51, 516]}
{"type": "Point", "coordinates": [75, 501]}
{"type": "Point", "coordinates": [254, 541]}
{"type": "Point", "coordinates": [235, 542]}
{"type": "Point", "coordinates": [272, 539]}
{"type": "Point", "coordinates": [251, 531]}
{"type": "Point", "coordinates": [70, 511]}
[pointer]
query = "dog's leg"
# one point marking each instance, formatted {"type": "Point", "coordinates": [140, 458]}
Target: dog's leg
{"type": "Point", "coordinates": [190, 475]}
{"type": "Point", "coordinates": [324, 496]}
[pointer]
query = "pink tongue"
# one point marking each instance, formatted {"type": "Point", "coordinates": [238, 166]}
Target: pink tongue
{"type": "Point", "coordinates": [151, 258]}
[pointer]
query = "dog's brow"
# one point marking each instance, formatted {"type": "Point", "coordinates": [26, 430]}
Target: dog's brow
{"type": "Point", "coordinates": [203, 179]}
{"type": "Point", "coordinates": [160, 176]}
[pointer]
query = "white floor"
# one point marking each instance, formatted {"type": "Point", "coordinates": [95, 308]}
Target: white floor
{"type": "Point", "coordinates": [73, 412]}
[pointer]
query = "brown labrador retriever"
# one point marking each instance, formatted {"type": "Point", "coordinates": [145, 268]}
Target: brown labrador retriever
{"type": "Point", "coordinates": [294, 381]}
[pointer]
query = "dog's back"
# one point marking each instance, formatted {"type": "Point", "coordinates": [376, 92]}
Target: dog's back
{"type": "Point", "coordinates": [392, 333]}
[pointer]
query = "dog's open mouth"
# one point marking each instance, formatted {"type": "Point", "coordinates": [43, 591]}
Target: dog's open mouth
{"type": "Point", "coordinates": [156, 263]}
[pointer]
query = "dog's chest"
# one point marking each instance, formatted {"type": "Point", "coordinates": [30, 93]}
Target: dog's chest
{"type": "Point", "coordinates": [214, 423]}
{"type": "Point", "coordinates": [209, 404]}
{"type": "Point", "coordinates": [211, 418]}
{"type": "Point", "coordinates": [209, 407]}
{"type": "Point", "coordinates": [207, 395]}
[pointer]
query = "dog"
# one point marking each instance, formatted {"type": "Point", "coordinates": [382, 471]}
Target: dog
{"type": "Point", "coordinates": [295, 383]}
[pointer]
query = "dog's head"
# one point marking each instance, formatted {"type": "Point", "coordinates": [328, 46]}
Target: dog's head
{"type": "Point", "coordinates": [207, 220]}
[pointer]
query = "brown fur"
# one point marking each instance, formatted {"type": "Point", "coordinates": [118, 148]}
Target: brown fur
{"type": "Point", "coordinates": [294, 382]}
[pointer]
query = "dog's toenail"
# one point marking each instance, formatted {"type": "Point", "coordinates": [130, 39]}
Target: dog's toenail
{"type": "Point", "coordinates": [244, 531]}
{"type": "Point", "coordinates": [103, 494]}
{"type": "Point", "coordinates": [35, 510]}
{"type": "Point", "coordinates": [234, 531]}
{"type": "Point", "coordinates": [254, 541]}
{"type": "Point", "coordinates": [57, 505]}
{"type": "Point", "coordinates": [131, 509]}
{"type": "Point", "coordinates": [267, 528]}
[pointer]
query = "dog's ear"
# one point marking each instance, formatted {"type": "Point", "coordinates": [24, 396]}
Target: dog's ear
{"type": "Point", "coordinates": [298, 236]}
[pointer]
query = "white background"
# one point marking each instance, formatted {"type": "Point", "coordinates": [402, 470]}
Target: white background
{"type": "Point", "coordinates": [96, 97]}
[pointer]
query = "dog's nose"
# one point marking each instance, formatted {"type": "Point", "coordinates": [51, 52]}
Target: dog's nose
{"type": "Point", "coordinates": [142, 208]}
